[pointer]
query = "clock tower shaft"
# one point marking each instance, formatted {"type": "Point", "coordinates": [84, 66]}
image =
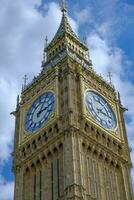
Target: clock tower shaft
{"type": "Point", "coordinates": [70, 155]}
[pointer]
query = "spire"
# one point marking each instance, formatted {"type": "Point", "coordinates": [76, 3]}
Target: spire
{"type": "Point", "coordinates": [64, 27]}
{"type": "Point", "coordinates": [63, 6]}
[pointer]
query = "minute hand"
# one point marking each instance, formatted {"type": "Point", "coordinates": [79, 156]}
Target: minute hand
{"type": "Point", "coordinates": [100, 111]}
{"type": "Point", "coordinates": [103, 106]}
{"type": "Point", "coordinates": [38, 114]}
{"type": "Point", "coordinates": [41, 107]}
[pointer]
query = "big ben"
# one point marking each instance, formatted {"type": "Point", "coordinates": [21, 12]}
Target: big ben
{"type": "Point", "coordinates": [70, 136]}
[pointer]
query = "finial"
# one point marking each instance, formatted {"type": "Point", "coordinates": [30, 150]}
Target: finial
{"type": "Point", "coordinates": [119, 100]}
{"type": "Point", "coordinates": [44, 52]}
{"type": "Point", "coordinates": [63, 6]}
{"type": "Point", "coordinates": [85, 39]}
{"type": "Point", "coordinates": [119, 97]}
{"type": "Point", "coordinates": [18, 100]}
{"type": "Point", "coordinates": [25, 78]}
{"type": "Point", "coordinates": [46, 39]}
{"type": "Point", "coordinates": [110, 77]}
{"type": "Point", "coordinates": [88, 55]}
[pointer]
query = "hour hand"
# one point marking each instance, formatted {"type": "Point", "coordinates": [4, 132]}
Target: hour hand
{"type": "Point", "coordinates": [100, 110]}
{"type": "Point", "coordinates": [104, 113]}
{"type": "Point", "coordinates": [38, 114]}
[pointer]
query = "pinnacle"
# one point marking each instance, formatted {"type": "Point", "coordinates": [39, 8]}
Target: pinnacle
{"type": "Point", "coordinates": [64, 27]}
{"type": "Point", "coordinates": [63, 6]}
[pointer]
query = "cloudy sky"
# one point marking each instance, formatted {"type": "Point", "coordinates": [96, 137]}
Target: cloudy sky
{"type": "Point", "coordinates": [24, 24]}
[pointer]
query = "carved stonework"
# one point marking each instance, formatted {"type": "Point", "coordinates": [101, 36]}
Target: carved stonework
{"type": "Point", "coordinates": [71, 156]}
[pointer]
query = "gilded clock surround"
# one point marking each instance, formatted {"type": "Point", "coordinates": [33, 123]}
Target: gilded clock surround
{"type": "Point", "coordinates": [40, 112]}
{"type": "Point", "coordinates": [28, 100]}
{"type": "Point", "coordinates": [72, 156]}
{"type": "Point", "coordinates": [110, 107]}
{"type": "Point", "coordinates": [111, 101]}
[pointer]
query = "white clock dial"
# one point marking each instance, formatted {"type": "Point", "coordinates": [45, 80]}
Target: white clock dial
{"type": "Point", "coordinates": [100, 110]}
{"type": "Point", "coordinates": [40, 112]}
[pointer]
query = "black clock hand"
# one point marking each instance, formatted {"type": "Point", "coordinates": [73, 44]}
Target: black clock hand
{"type": "Point", "coordinates": [106, 115]}
{"type": "Point", "coordinates": [103, 106]}
{"type": "Point", "coordinates": [38, 114]}
{"type": "Point", "coordinates": [100, 111]}
{"type": "Point", "coordinates": [41, 106]}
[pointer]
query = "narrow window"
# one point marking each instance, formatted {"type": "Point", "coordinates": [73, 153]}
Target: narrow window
{"type": "Point", "coordinates": [83, 171]}
{"type": "Point", "coordinates": [107, 183]}
{"type": "Point", "coordinates": [52, 181]}
{"type": "Point", "coordinates": [95, 179]}
{"type": "Point", "coordinates": [40, 185]}
{"type": "Point", "coordinates": [89, 175]}
{"type": "Point", "coordinates": [34, 187]}
{"type": "Point", "coordinates": [111, 185]}
{"type": "Point", "coordinates": [58, 177]}
{"type": "Point", "coordinates": [115, 186]}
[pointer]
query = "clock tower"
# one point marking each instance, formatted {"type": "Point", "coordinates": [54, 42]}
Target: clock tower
{"type": "Point", "coordinates": [70, 137]}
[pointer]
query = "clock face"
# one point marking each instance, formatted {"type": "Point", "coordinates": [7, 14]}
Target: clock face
{"type": "Point", "coordinates": [40, 112]}
{"type": "Point", "coordinates": [100, 110]}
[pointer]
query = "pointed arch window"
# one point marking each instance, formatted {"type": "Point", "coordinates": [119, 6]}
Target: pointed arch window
{"type": "Point", "coordinates": [110, 184]}
{"type": "Point", "coordinates": [107, 183]}
{"type": "Point", "coordinates": [89, 175]}
{"type": "Point", "coordinates": [58, 177]}
{"type": "Point", "coordinates": [96, 179]}
{"type": "Point", "coordinates": [55, 179]}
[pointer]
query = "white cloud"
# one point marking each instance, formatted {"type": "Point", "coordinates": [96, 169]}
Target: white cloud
{"type": "Point", "coordinates": [6, 189]}
{"type": "Point", "coordinates": [7, 104]}
{"type": "Point", "coordinates": [82, 16]}
{"type": "Point", "coordinates": [23, 36]}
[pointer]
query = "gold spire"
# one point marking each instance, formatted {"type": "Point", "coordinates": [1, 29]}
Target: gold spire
{"type": "Point", "coordinates": [63, 6]}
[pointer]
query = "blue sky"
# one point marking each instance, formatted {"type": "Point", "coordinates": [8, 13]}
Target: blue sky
{"type": "Point", "coordinates": [109, 28]}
